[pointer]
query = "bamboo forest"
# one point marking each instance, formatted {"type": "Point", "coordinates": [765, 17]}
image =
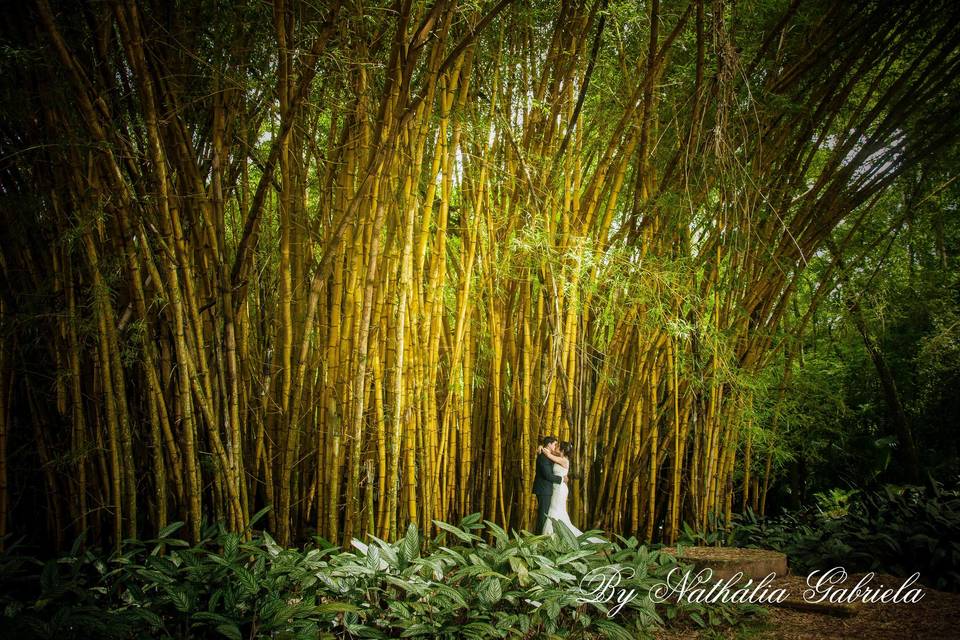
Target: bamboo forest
{"type": "Point", "coordinates": [411, 318]}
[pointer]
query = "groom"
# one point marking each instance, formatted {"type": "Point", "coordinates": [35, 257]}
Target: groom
{"type": "Point", "coordinates": [544, 480]}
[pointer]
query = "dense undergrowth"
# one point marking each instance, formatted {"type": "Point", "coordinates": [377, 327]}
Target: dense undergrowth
{"type": "Point", "coordinates": [473, 580]}
{"type": "Point", "coordinates": [894, 529]}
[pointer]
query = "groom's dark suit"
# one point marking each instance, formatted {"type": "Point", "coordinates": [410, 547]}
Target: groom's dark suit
{"type": "Point", "coordinates": [543, 482]}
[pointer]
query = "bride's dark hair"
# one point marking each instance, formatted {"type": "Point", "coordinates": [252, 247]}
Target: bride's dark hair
{"type": "Point", "coordinates": [566, 448]}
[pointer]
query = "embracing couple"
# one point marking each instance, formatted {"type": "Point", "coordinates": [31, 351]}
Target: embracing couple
{"type": "Point", "coordinates": [551, 488]}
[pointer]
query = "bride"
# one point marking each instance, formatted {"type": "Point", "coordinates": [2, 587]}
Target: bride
{"type": "Point", "coordinates": [558, 501]}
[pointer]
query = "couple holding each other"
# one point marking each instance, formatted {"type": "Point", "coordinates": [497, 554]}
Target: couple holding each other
{"type": "Point", "coordinates": [551, 488]}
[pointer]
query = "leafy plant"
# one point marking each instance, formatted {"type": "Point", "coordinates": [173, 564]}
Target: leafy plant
{"type": "Point", "coordinates": [897, 530]}
{"type": "Point", "coordinates": [456, 585]}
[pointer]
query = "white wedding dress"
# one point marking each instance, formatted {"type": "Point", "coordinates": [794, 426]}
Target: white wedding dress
{"type": "Point", "coordinates": [558, 506]}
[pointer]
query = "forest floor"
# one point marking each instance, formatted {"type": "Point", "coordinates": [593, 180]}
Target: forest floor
{"type": "Point", "coordinates": [936, 616]}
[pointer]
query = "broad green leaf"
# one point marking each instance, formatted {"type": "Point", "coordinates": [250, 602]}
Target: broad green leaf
{"type": "Point", "coordinates": [472, 520]}
{"type": "Point", "coordinates": [451, 593]}
{"type": "Point", "coordinates": [230, 630]}
{"type": "Point", "coordinates": [210, 616]}
{"type": "Point", "coordinates": [230, 544]}
{"type": "Point", "coordinates": [272, 547]}
{"type": "Point", "coordinates": [463, 535]}
{"type": "Point", "coordinates": [259, 514]}
{"type": "Point", "coordinates": [411, 543]}
{"type": "Point", "coordinates": [490, 591]}
{"type": "Point", "coordinates": [498, 532]}
{"type": "Point", "coordinates": [169, 530]}
{"type": "Point", "coordinates": [612, 630]}
{"type": "Point", "coordinates": [337, 607]}
{"type": "Point", "coordinates": [180, 599]}
{"type": "Point", "coordinates": [566, 534]}
{"type": "Point", "coordinates": [519, 567]}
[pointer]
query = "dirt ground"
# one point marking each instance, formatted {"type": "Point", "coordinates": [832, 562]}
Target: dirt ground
{"type": "Point", "coordinates": [935, 616]}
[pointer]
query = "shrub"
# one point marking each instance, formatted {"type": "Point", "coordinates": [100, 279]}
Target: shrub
{"type": "Point", "coordinates": [896, 530]}
{"type": "Point", "coordinates": [457, 585]}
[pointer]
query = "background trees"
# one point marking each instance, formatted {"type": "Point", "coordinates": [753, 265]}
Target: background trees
{"type": "Point", "coordinates": [351, 260]}
{"type": "Point", "coordinates": [901, 300]}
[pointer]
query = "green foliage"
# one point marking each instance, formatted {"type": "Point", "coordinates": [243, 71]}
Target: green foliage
{"type": "Point", "coordinates": [836, 425]}
{"type": "Point", "coordinates": [458, 586]}
{"type": "Point", "coordinates": [896, 530]}
{"type": "Point", "coordinates": [712, 536]}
